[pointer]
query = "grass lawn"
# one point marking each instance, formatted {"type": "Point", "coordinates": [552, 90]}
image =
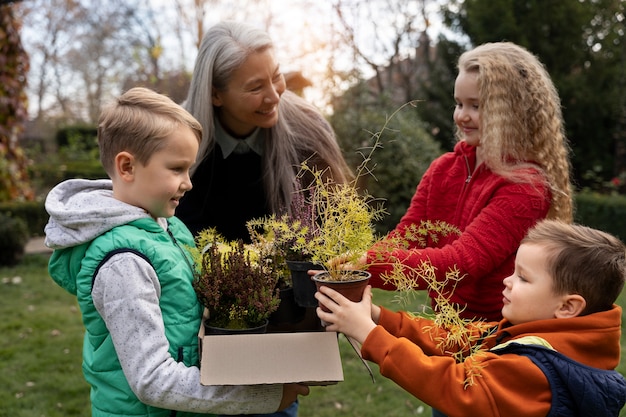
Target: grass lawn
{"type": "Point", "coordinates": [40, 357]}
{"type": "Point", "coordinates": [40, 345]}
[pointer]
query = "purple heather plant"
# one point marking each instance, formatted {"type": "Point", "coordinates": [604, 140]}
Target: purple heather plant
{"type": "Point", "coordinates": [237, 283]}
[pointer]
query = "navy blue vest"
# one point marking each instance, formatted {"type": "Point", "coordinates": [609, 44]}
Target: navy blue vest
{"type": "Point", "coordinates": [577, 390]}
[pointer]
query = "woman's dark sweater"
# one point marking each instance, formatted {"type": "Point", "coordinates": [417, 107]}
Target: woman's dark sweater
{"type": "Point", "coordinates": [226, 194]}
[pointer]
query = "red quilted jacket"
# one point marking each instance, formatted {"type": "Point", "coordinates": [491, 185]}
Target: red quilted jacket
{"type": "Point", "coordinates": [493, 214]}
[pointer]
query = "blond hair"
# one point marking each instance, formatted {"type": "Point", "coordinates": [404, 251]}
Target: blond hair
{"type": "Point", "coordinates": [137, 122]}
{"type": "Point", "coordinates": [521, 119]}
{"type": "Point", "coordinates": [582, 261]}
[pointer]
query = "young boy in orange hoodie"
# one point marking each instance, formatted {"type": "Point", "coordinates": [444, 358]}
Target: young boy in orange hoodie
{"type": "Point", "coordinates": [554, 353]}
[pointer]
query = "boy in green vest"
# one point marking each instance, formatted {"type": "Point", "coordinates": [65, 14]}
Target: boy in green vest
{"type": "Point", "coordinates": [120, 250]}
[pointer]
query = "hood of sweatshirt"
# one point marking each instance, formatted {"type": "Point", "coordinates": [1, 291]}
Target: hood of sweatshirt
{"type": "Point", "coordinates": [593, 339]}
{"type": "Point", "coordinates": [81, 210]}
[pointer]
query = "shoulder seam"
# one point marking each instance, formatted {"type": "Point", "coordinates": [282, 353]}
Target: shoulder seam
{"type": "Point", "coordinates": [114, 252]}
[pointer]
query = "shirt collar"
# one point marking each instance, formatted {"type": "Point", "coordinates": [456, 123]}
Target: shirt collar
{"type": "Point", "coordinates": [230, 144]}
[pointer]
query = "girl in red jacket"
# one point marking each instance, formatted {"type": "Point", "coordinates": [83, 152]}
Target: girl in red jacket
{"type": "Point", "coordinates": [509, 170]}
{"type": "Point", "coordinates": [554, 353]}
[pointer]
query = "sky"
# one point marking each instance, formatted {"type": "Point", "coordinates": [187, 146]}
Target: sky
{"type": "Point", "coordinates": [303, 32]}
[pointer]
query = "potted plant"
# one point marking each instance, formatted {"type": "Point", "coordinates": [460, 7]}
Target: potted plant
{"type": "Point", "coordinates": [288, 311]}
{"type": "Point", "coordinates": [346, 219]}
{"type": "Point", "coordinates": [341, 226]}
{"type": "Point", "coordinates": [331, 226]}
{"type": "Point", "coordinates": [236, 283]}
{"type": "Point", "coordinates": [284, 231]}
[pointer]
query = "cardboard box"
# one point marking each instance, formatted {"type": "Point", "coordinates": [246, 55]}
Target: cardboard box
{"type": "Point", "coordinates": [307, 357]}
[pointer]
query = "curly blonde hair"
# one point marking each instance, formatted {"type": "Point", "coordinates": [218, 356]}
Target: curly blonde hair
{"type": "Point", "coordinates": [521, 119]}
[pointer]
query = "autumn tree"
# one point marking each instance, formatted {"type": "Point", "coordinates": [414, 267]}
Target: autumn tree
{"type": "Point", "coordinates": [388, 41]}
{"type": "Point", "coordinates": [14, 180]}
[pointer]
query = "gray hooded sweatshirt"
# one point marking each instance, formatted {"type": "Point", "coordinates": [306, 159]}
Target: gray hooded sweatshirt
{"type": "Point", "coordinates": [126, 294]}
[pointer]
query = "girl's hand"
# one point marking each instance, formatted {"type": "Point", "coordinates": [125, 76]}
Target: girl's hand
{"type": "Point", "coordinates": [350, 318]}
{"type": "Point", "coordinates": [342, 262]}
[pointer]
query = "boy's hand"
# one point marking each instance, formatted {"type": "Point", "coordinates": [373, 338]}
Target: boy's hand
{"type": "Point", "coordinates": [350, 318]}
{"type": "Point", "coordinates": [290, 394]}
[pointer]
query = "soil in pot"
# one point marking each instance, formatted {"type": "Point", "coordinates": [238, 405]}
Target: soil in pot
{"type": "Point", "coordinates": [351, 286]}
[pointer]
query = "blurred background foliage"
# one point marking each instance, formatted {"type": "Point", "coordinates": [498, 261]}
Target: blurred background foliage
{"type": "Point", "coordinates": [361, 61]}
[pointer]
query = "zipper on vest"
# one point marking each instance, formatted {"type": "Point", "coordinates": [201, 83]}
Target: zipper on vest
{"type": "Point", "coordinates": [182, 251]}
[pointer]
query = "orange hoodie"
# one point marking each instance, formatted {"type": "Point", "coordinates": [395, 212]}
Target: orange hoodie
{"type": "Point", "coordinates": [507, 384]}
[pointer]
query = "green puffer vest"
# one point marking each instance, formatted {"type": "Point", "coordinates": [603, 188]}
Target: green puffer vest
{"type": "Point", "coordinates": [75, 268]}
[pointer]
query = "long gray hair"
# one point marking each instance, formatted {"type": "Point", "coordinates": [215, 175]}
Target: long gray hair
{"type": "Point", "coordinates": [301, 132]}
